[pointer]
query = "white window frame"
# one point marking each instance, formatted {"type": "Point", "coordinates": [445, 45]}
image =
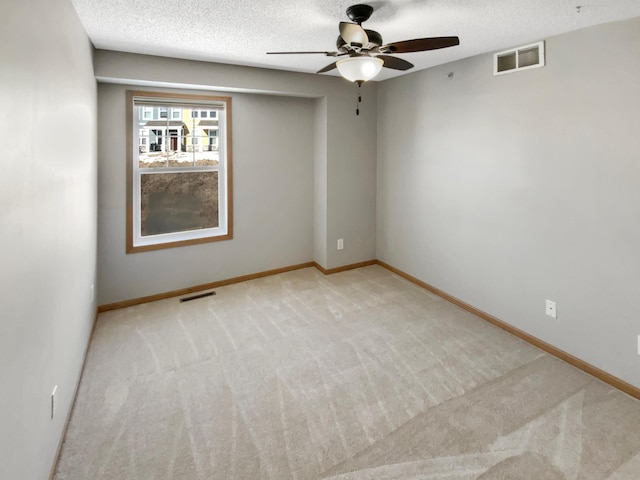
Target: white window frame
{"type": "Point", "coordinates": [135, 242]}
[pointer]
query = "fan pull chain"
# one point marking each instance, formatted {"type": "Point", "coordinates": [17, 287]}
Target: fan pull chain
{"type": "Point", "coordinates": [359, 99]}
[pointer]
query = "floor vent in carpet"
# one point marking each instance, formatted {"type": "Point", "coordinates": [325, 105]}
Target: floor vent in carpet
{"type": "Point", "coordinates": [195, 297]}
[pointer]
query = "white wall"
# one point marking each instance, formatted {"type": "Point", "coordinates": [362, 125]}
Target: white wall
{"type": "Point", "coordinates": [48, 225]}
{"type": "Point", "coordinates": [506, 191]}
{"type": "Point", "coordinates": [323, 166]}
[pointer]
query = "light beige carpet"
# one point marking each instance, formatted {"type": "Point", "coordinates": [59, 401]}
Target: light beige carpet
{"type": "Point", "coordinates": [357, 375]}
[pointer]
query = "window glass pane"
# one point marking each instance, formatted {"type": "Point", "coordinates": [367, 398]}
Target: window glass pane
{"type": "Point", "coordinates": [207, 158]}
{"type": "Point", "coordinates": [178, 202]}
{"type": "Point", "coordinates": [181, 185]}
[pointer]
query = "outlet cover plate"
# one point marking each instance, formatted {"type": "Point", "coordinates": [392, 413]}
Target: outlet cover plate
{"type": "Point", "coordinates": [551, 309]}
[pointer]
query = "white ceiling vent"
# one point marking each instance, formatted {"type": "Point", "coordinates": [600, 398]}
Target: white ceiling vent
{"type": "Point", "coordinates": [521, 58]}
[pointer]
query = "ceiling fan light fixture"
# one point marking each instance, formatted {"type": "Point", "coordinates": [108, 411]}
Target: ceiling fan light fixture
{"type": "Point", "coordinates": [359, 69]}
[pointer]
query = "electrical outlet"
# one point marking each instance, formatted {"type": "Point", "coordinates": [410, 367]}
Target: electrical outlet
{"type": "Point", "coordinates": [551, 309]}
{"type": "Point", "coordinates": [638, 344]}
{"type": "Point", "coordinates": [93, 292]}
{"type": "Point", "coordinates": [340, 244]}
{"type": "Point", "coordinates": [53, 401]}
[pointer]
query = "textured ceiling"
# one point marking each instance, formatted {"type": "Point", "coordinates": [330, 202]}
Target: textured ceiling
{"type": "Point", "coordinates": [242, 31]}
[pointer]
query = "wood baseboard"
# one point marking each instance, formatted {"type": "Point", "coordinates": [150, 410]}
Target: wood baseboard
{"type": "Point", "coordinates": [199, 288]}
{"type": "Point", "coordinates": [536, 342]}
{"type": "Point", "coordinates": [52, 472]}
{"type": "Point", "coordinates": [208, 286]}
{"type": "Point", "coordinates": [344, 268]}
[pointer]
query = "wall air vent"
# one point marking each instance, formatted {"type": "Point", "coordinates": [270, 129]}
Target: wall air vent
{"type": "Point", "coordinates": [521, 58]}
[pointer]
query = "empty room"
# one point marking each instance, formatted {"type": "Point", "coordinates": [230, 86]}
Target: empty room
{"type": "Point", "coordinates": [320, 240]}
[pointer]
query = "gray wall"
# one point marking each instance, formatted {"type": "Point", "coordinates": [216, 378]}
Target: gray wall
{"type": "Point", "coordinates": [48, 225]}
{"type": "Point", "coordinates": [506, 191]}
{"type": "Point", "coordinates": [273, 200]}
{"type": "Point", "coordinates": [304, 174]}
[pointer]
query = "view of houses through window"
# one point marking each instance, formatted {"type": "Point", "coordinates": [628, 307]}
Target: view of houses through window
{"type": "Point", "coordinates": [179, 171]}
{"type": "Point", "coordinates": [177, 135]}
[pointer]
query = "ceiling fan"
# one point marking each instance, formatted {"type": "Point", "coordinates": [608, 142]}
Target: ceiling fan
{"type": "Point", "coordinates": [365, 52]}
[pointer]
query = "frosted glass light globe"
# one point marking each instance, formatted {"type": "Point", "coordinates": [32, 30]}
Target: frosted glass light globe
{"type": "Point", "coordinates": [359, 69]}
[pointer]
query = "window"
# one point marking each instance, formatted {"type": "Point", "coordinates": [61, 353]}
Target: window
{"type": "Point", "coordinates": [178, 193]}
{"type": "Point", "coordinates": [203, 114]}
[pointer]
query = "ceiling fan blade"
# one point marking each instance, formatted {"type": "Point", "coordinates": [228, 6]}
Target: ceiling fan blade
{"type": "Point", "coordinates": [420, 45]}
{"type": "Point", "coordinates": [394, 62]}
{"type": "Point", "coordinates": [353, 33]}
{"type": "Point", "coordinates": [328, 68]}
{"type": "Point", "coordinates": [328, 54]}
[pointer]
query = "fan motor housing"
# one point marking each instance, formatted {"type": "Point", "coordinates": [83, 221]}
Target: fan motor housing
{"type": "Point", "coordinates": [375, 40]}
{"type": "Point", "coordinates": [359, 13]}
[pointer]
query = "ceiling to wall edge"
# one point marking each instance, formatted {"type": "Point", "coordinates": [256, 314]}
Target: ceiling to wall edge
{"type": "Point", "coordinates": [194, 86]}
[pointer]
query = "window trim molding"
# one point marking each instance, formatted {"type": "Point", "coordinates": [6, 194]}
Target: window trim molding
{"type": "Point", "coordinates": [129, 217]}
